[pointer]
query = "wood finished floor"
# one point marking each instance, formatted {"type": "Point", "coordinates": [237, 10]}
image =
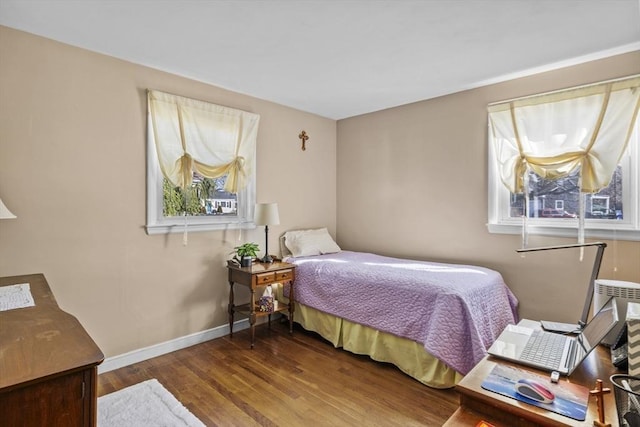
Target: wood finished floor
{"type": "Point", "coordinates": [287, 380]}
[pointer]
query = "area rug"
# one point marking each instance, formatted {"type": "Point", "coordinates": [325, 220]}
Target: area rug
{"type": "Point", "coordinates": [145, 404]}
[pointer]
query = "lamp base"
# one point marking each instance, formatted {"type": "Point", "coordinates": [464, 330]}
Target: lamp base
{"type": "Point", "coordinates": [266, 258]}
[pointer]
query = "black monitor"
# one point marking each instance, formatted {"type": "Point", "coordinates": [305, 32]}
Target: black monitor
{"type": "Point", "coordinates": [594, 275]}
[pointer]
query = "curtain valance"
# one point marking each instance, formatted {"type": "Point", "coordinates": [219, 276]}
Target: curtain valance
{"type": "Point", "coordinates": [556, 133]}
{"type": "Point", "coordinates": [213, 140]}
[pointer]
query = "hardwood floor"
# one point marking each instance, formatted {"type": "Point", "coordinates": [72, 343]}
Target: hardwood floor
{"type": "Point", "coordinates": [287, 380]}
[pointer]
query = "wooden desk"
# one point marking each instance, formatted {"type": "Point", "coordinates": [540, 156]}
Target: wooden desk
{"type": "Point", "coordinates": [260, 274]}
{"type": "Point", "coordinates": [48, 363]}
{"type": "Point", "coordinates": [478, 404]}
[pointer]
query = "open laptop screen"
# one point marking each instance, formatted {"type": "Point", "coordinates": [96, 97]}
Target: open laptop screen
{"type": "Point", "coordinates": [598, 327]}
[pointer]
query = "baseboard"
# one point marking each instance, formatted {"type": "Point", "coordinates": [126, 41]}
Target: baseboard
{"type": "Point", "coordinates": [135, 356]}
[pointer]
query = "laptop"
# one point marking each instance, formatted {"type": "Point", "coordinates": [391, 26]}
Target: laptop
{"type": "Point", "coordinates": [554, 352]}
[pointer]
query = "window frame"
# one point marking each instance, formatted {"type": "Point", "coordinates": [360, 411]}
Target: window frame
{"type": "Point", "coordinates": [499, 221]}
{"type": "Point", "coordinates": [157, 223]}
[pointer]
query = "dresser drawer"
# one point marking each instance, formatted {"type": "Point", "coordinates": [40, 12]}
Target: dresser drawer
{"type": "Point", "coordinates": [284, 275]}
{"type": "Point", "coordinates": [264, 278]}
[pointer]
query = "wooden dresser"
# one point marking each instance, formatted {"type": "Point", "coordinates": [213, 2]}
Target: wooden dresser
{"type": "Point", "coordinates": [48, 363]}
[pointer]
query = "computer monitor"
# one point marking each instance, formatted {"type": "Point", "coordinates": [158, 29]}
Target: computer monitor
{"type": "Point", "coordinates": [597, 261]}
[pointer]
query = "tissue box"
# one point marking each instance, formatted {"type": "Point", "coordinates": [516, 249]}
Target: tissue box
{"type": "Point", "coordinates": [633, 338]}
{"type": "Point", "coordinates": [265, 304]}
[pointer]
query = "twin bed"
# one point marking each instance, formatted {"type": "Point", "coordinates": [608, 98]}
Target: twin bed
{"type": "Point", "coordinates": [433, 321]}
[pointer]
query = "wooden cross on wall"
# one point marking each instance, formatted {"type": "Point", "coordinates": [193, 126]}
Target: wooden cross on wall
{"type": "Point", "coordinates": [304, 137]}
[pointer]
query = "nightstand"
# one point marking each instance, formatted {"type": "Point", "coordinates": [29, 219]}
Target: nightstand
{"type": "Point", "coordinates": [257, 276]}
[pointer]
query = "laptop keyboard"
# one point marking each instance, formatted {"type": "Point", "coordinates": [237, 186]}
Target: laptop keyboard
{"type": "Point", "coordinates": [544, 348]}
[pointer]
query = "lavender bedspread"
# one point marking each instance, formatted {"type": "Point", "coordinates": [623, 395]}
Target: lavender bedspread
{"type": "Point", "coordinates": [456, 311]}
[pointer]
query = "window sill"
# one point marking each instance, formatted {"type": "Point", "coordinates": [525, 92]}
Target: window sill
{"type": "Point", "coordinates": [192, 227]}
{"type": "Point", "coordinates": [594, 233]}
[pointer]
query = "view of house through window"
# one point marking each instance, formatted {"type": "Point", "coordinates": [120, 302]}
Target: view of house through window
{"type": "Point", "coordinates": [205, 197]}
{"type": "Point", "coordinates": [560, 198]}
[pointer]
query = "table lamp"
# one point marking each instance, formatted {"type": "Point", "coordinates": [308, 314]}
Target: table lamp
{"type": "Point", "coordinates": [267, 214]}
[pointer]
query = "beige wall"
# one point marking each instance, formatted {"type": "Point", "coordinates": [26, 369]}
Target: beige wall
{"type": "Point", "coordinates": [412, 182]}
{"type": "Point", "coordinates": [72, 168]}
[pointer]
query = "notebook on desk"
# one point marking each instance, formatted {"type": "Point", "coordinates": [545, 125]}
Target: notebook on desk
{"type": "Point", "coordinates": [554, 352]}
{"type": "Point", "coordinates": [563, 328]}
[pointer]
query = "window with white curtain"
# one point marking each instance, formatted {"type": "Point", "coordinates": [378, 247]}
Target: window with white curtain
{"type": "Point", "coordinates": [570, 159]}
{"type": "Point", "coordinates": [201, 161]}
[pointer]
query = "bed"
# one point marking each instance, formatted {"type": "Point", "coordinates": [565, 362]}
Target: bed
{"type": "Point", "coordinates": [434, 321]}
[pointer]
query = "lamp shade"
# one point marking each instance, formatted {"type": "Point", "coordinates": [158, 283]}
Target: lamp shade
{"type": "Point", "coordinates": [5, 213]}
{"type": "Point", "coordinates": [267, 214]}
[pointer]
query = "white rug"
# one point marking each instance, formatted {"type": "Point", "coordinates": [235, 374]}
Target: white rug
{"type": "Point", "coordinates": [145, 404]}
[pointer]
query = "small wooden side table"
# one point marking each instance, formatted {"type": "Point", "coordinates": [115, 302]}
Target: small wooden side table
{"type": "Point", "coordinates": [260, 275]}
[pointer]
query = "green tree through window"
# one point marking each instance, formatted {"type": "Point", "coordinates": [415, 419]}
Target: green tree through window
{"type": "Point", "coordinates": [205, 197]}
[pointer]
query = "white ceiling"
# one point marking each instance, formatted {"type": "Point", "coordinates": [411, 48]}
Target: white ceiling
{"type": "Point", "coordinates": [339, 58]}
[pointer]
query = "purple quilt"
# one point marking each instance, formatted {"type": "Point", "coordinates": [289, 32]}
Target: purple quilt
{"type": "Point", "coordinates": [456, 311]}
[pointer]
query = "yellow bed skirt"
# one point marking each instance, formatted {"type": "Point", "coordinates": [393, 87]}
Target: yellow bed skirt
{"type": "Point", "coordinates": [409, 356]}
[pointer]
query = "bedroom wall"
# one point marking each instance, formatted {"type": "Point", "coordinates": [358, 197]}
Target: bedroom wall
{"type": "Point", "coordinates": [412, 182]}
{"type": "Point", "coordinates": [72, 168]}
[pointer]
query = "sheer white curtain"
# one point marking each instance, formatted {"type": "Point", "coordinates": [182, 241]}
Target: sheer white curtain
{"type": "Point", "coordinates": [553, 134]}
{"type": "Point", "coordinates": [193, 135]}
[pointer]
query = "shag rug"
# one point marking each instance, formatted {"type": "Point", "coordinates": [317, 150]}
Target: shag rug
{"type": "Point", "coordinates": [145, 404]}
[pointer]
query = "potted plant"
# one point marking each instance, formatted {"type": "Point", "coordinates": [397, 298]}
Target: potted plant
{"type": "Point", "coordinates": [246, 253]}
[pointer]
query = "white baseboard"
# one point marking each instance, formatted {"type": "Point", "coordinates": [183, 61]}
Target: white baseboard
{"type": "Point", "coordinates": [135, 356]}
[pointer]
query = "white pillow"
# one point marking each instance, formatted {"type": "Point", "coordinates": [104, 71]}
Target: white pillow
{"type": "Point", "coordinates": [310, 242]}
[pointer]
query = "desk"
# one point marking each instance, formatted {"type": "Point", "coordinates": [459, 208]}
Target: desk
{"type": "Point", "coordinates": [478, 404]}
{"type": "Point", "coordinates": [257, 275]}
{"type": "Point", "coordinates": [48, 363]}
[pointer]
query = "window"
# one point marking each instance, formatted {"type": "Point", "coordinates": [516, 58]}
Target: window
{"type": "Point", "coordinates": [206, 197]}
{"type": "Point", "coordinates": [554, 202]}
{"type": "Point", "coordinates": [547, 199]}
{"type": "Point", "coordinates": [200, 165]}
